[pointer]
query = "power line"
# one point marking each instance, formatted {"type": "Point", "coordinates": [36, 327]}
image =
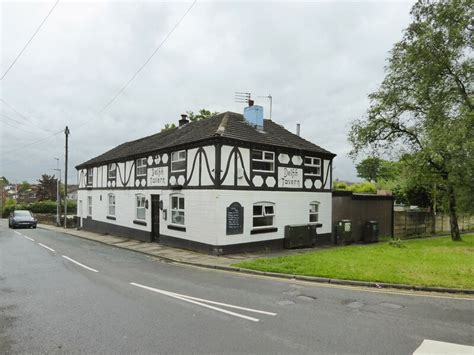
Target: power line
{"type": "Point", "coordinates": [16, 126]}
{"type": "Point", "coordinates": [31, 38]}
{"type": "Point", "coordinates": [122, 89]}
{"type": "Point", "coordinates": [33, 143]}
{"type": "Point", "coordinates": [23, 116]}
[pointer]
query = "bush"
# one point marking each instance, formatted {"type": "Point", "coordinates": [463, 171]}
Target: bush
{"type": "Point", "coordinates": [363, 187]}
{"type": "Point", "coordinates": [46, 206]}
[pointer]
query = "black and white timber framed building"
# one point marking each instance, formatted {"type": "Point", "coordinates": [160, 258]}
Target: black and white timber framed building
{"type": "Point", "coordinates": [225, 184]}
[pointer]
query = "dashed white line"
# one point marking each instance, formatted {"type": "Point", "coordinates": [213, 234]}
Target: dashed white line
{"type": "Point", "coordinates": [78, 263]}
{"type": "Point", "coordinates": [195, 300]}
{"type": "Point", "coordinates": [431, 347]}
{"type": "Point", "coordinates": [24, 236]}
{"type": "Point", "coordinates": [17, 233]}
{"type": "Point", "coordinates": [45, 246]}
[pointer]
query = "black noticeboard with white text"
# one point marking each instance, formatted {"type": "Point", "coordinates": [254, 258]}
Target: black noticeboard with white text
{"type": "Point", "coordinates": [234, 219]}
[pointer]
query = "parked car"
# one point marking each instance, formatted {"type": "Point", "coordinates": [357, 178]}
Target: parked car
{"type": "Point", "coordinates": [22, 218]}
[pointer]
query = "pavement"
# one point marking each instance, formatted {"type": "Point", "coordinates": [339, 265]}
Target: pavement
{"type": "Point", "coordinates": [62, 294]}
{"type": "Point", "coordinates": [175, 254]}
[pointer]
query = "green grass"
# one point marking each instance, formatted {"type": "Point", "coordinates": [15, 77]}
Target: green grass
{"type": "Point", "coordinates": [428, 262]}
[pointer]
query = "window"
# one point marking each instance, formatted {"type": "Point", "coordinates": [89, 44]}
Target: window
{"type": "Point", "coordinates": [314, 212]}
{"type": "Point", "coordinates": [112, 173]}
{"type": "Point", "coordinates": [89, 205]}
{"type": "Point", "coordinates": [177, 209]}
{"type": "Point", "coordinates": [141, 167]}
{"type": "Point", "coordinates": [111, 205]}
{"type": "Point", "coordinates": [140, 205]}
{"type": "Point", "coordinates": [90, 176]}
{"type": "Point", "coordinates": [263, 214]}
{"type": "Point", "coordinates": [313, 166]}
{"type": "Point", "coordinates": [178, 161]}
{"type": "Point", "coordinates": [263, 161]}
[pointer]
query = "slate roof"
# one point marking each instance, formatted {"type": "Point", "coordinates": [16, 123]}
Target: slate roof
{"type": "Point", "coordinates": [227, 124]}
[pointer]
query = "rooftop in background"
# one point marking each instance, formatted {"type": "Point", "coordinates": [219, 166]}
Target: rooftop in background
{"type": "Point", "coordinates": [227, 125]}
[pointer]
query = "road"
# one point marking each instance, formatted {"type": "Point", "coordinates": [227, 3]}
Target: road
{"type": "Point", "coordinates": [62, 294]}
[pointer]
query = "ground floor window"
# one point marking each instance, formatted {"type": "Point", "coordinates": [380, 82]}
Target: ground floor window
{"type": "Point", "coordinates": [177, 209]}
{"type": "Point", "coordinates": [111, 205]}
{"type": "Point", "coordinates": [89, 205]}
{"type": "Point", "coordinates": [314, 211]}
{"type": "Point", "coordinates": [263, 214]}
{"type": "Point", "coordinates": [140, 206]}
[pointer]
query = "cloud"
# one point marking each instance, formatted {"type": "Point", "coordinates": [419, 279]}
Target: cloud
{"type": "Point", "coordinates": [319, 60]}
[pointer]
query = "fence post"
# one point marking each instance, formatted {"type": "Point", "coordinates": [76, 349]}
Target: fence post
{"type": "Point", "coordinates": [405, 213]}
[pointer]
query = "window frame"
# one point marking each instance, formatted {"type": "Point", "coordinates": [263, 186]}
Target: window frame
{"type": "Point", "coordinates": [110, 170]}
{"type": "Point", "coordinates": [314, 213]}
{"type": "Point", "coordinates": [138, 167]}
{"type": "Point", "coordinates": [142, 198]}
{"type": "Point", "coordinates": [90, 176]}
{"type": "Point", "coordinates": [263, 204]}
{"type": "Point", "coordinates": [109, 205]}
{"type": "Point", "coordinates": [179, 160]}
{"type": "Point", "coordinates": [313, 165]}
{"type": "Point", "coordinates": [178, 209]}
{"type": "Point", "coordinates": [89, 205]}
{"type": "Point", "coordinates": [263, 160]}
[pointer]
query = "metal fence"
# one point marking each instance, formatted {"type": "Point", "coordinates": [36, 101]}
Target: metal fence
{"type": "Point", "coordinates": [413, 223]}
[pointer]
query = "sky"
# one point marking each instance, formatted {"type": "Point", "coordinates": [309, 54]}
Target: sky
{"type": "Point", "coordinates": [318, 60]}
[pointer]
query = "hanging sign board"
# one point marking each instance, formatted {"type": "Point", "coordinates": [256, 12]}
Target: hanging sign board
{"type": "Point", "coordinates": [234, 219]}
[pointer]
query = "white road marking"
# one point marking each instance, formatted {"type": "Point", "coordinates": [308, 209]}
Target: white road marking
{"type": "Point", "coordinates": [18, 233]}
{"type": "Point", "coordinates": [24, 236]}
{"type": "Point", "coordinates": [433, 347]}
{"type": "Point", "coordinates": [78, 263]}
{"type": "Point", "coordinates": [45, 246]}
{"type": "Point", "coordinates": [194, 301]}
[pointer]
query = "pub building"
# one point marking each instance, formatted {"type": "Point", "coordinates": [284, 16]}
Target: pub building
{"type": "Point", "coordinates": [226, 184]}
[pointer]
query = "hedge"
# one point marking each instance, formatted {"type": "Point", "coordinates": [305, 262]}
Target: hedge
{"type": "Point", "coordinates": [46, 206]}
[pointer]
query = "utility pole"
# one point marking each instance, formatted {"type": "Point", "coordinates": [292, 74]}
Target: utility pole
{"type": "Point", "coordinates": [58, 195]}
{"type": "Point", "coordinates": [66, 132]}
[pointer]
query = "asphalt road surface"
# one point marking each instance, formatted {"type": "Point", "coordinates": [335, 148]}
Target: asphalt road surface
{"type": "Point", "coordinates": [63, 294]}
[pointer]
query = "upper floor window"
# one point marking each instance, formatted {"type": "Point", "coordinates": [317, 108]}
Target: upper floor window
{"type": "Point", "coordinates": [90, 176]}
{"type": "Point", "coordinates": [111, 205]}
{"type": "Point", "coordinates": [140, 206]}
{"type": "Point", "coordinates": [314, 211]}
{"type": "Point", "coordinates": [263, 214]}
{"type": "Point", "coordinates": [263, 161]}
{"type": "Point", "coordinates": [177, 209]}
{"type": "Point", "coordinates": [141, 167]}
{"type": "Point", "coordinates": [178, 161]}
{"type": "Point", "coordinates": [89, 205]}
{"type": "Point", "coordinates": [112, 171]}
{"type": "Point", "coordinates": [312, 166]}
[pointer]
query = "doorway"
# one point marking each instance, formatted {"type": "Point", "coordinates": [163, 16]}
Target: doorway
{"type": "Point", "coordinates": [155, 218]}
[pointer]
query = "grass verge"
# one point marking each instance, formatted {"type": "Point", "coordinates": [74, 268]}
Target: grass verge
{"type": "Point", "coordinates": [437, 262]}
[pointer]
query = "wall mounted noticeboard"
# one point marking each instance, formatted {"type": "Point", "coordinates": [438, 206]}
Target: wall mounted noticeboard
{"type": "Point", "coordinates": [234, 219]}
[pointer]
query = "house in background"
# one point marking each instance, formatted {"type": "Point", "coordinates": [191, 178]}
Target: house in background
{"type": "Point", "coordinates": [225, 184]}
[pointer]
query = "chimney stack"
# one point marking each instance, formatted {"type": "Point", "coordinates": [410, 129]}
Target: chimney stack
{"type": "Point", "coordinates": [298, 129]}
{"type": "Point", "coordinates": [183, 120]}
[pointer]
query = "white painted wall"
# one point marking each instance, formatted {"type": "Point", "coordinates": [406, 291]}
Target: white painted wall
{"type": "Point", "coordinates": [205, 212]}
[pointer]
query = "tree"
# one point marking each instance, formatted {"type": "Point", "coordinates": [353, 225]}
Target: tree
{"type": "Point", "coordinates": [424, 105]}
{"type": "Point", "coordinates": [201, 115]}
{"type": "Point", "coordinates": [47, 186]}
{"type": "Point", "coordinates": [369, 168]}
{"type": "Point", "coordinates": [24, 186]}
{"type": "Point", "coordinates": [193, 117]}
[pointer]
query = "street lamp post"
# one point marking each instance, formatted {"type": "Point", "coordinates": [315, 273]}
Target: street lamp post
{"type": "Point", "coordinates": [58, 197]}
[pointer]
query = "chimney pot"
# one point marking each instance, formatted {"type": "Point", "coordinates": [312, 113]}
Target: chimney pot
{"type": "Point", "coordinates": [183, 120]}
{"type": "Point", "coordinates": [298, 129]}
